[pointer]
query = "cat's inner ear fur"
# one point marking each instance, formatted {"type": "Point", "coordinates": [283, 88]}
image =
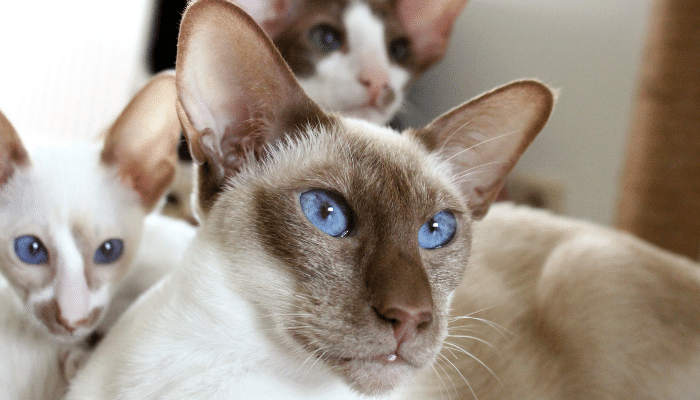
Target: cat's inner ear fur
{"type": "Point", "coordinates": [429, 25]}
{"type": "Point", "coordinates": [12, 152]}
{"type": "Point", "coordinates": [484, 138]}
{"type": "Point", "coordinates": [142, 142]}
{"type": "Point", "coordinates": [236, 94]}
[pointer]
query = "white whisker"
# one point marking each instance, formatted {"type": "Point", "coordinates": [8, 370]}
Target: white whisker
{"type": "Point", "coordinates": [480, 143]}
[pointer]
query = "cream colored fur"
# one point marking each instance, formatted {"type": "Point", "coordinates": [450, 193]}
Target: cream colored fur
{"type": "Point", "coordinates": [553, 308]}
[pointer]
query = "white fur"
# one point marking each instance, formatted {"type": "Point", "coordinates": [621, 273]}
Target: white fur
{"type": "Point", "coordinates": [194, 315]}
{"type": "Point", "coordinates": [336, 85]}
{"type": "Point", "coordinates": [63, 188]}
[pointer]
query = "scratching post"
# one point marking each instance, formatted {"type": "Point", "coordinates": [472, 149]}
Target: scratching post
{"type": "Point", "coordinates": [660, 190]}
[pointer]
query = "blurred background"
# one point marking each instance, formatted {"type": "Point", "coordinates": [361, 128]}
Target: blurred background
{"type": "Point", "coordinates": [69, 67]}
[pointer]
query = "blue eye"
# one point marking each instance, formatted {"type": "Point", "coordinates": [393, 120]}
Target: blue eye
{"type": "Point", "coordinates": [30, 250]}
{"type": "Point", "coordinates": [327, 211]}
{"type": "Point", "coordinates": [325, 38]}
{"type": "Point", "coordinates": [438, 231]}
{"type": "Point", "coordinates": [108, 252]}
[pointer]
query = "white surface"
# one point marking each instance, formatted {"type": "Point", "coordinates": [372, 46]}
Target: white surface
{"type": "Point", "coordinates": [590, 50]}
{"type": "Point", "coordinates": [68, 67]}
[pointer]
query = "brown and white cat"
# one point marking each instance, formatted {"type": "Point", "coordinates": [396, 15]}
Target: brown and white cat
{"type": "Point", "coordinates": [553, 308]}
{"type": "Point", "coordinates": [357, 57]}
{"type": "Point", "coordinates": [71, 221]}
{"type": "Point", "coordinates": [328, 248]}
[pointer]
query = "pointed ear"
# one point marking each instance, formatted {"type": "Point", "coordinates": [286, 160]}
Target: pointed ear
{"type": "Point", "coordinates": [12, 152]}
{"type": "Point", "coordinates": [429, 25]}
{"type": "Point", "coordinates": [484, 138]}
{"type": "Point", "coordinates": [236, 94]}
{"type": "Point", "coordinates": [142, 143]}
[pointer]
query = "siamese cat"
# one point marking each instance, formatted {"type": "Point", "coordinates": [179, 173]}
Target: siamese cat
{"type": "Point", "coordinates": [328, 248]}
{"type": "Point", "coordinates": [71, 220]}
{"type": "Point", "coordinates": [553, 308]}
{"type": "Point", "coordinates": [357, 58]}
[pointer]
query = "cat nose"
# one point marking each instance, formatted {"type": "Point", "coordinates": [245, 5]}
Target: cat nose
{"type": "Point", "coordinates": [406, 322]}
{"type": "Point", "coordinates": [400, 293]}
{"type": "Point", "coordinates": [376, 83]}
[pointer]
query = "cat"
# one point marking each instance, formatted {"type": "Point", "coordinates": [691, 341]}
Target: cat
{"type": "Point", "coordinates": [328, 246]}
{"type": "Point", "coordinates": [357, 58]}
{"type": "Point", "coordinates": [71, 221]}
{"type": "Point", "coordinates": [554, 308]}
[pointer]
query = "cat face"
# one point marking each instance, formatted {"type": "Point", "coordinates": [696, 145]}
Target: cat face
{"type": "Point", "coordinates": [346, 237]}
{"type": "Point", "coordinates": [355, 57]}
{"type": "Point", "coordinates": [72, 214]}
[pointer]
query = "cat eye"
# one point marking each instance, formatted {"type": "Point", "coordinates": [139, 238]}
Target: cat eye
{"type": "Point", "coordinates": [30, 250]}
{"type": "Point", "coordinates": [327, 211]}
{"type": "Point", "coordinates": [108, 252]}
{"type": "Point", "coordinates": [325, 38]}
{"type": "Point", "coordinates": [399, 49]}
{"type": "Point", "coordinates": [438, 231]}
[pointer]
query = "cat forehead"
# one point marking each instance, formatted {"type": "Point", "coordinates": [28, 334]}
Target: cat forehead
{"type": "Point", "coordinates": [64, 183]}
{"type": "Point", "coordinates": [365, 164]}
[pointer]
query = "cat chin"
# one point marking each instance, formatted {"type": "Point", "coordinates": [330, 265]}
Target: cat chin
{"type": "Point", "coordinates": [370, 114]}
{"type": "Point", "coordinates": [375, 376]}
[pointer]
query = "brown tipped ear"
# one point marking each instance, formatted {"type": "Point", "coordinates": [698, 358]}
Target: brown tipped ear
{"type": "Point", "coordinates": [484, 138]}
{"type": "Point", "coordinates": [236, 94]}
{"type": "Point", "coordinates": [12, 152]}
{"type": "Point", "coordinates": [142, 143]}
{"type": "Point", "coordinates": [429, 25]}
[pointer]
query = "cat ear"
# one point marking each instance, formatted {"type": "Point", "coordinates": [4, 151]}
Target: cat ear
{"type": "Point", "coordinates": [12, 152]}
{"type": "Point", "coordinates": [142, 142]}
{"type": "Point", "coordinates": [236, 94]}
{"type": "Point", "coordinates": [274, 16]}
{"type": "Point", "coordinates": [484, 138]}
{"type": "Point", "coordinates": [429, 25]}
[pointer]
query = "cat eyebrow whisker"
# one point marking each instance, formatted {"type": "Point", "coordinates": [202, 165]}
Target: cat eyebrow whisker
{"type": "Point", "coordinates": [452, 134]}
{"type": "Point", "coordinates": [464, 173]}
{"type": "Point", "coordinates": [480, 143]}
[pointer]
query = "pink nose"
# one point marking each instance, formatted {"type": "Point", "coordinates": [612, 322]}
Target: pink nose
{"type": "Point", "coordinates": [406, 321]}
{"type": "Point", "coordinates": [376, 82]}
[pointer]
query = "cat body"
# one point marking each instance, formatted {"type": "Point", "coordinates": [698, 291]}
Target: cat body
{"type": "Point", "coordinates": [71, 222]}
{"type": "Point", "coordinates": [554, 308]}
{"type": "Point", "coordinates": [328, 246]}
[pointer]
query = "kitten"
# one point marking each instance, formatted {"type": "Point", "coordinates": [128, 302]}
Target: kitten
{"type": "Point", "coordinates": [328, 247]}
{"type": "Point", "coordinates": [553, 308]}
{"type": "Point", "coordinates": [71, 221]}
{"type": "Point", "coordinates": [357, 58]}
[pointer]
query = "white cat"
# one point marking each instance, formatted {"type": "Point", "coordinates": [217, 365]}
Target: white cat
{"type": "Point", "coordinates": [71, 220]}
{"type": "Point", "coordinates": [328, 246]}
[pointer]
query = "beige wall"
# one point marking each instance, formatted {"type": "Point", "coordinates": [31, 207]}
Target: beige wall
{"type": "Point", "coordinates": [589, 49]}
